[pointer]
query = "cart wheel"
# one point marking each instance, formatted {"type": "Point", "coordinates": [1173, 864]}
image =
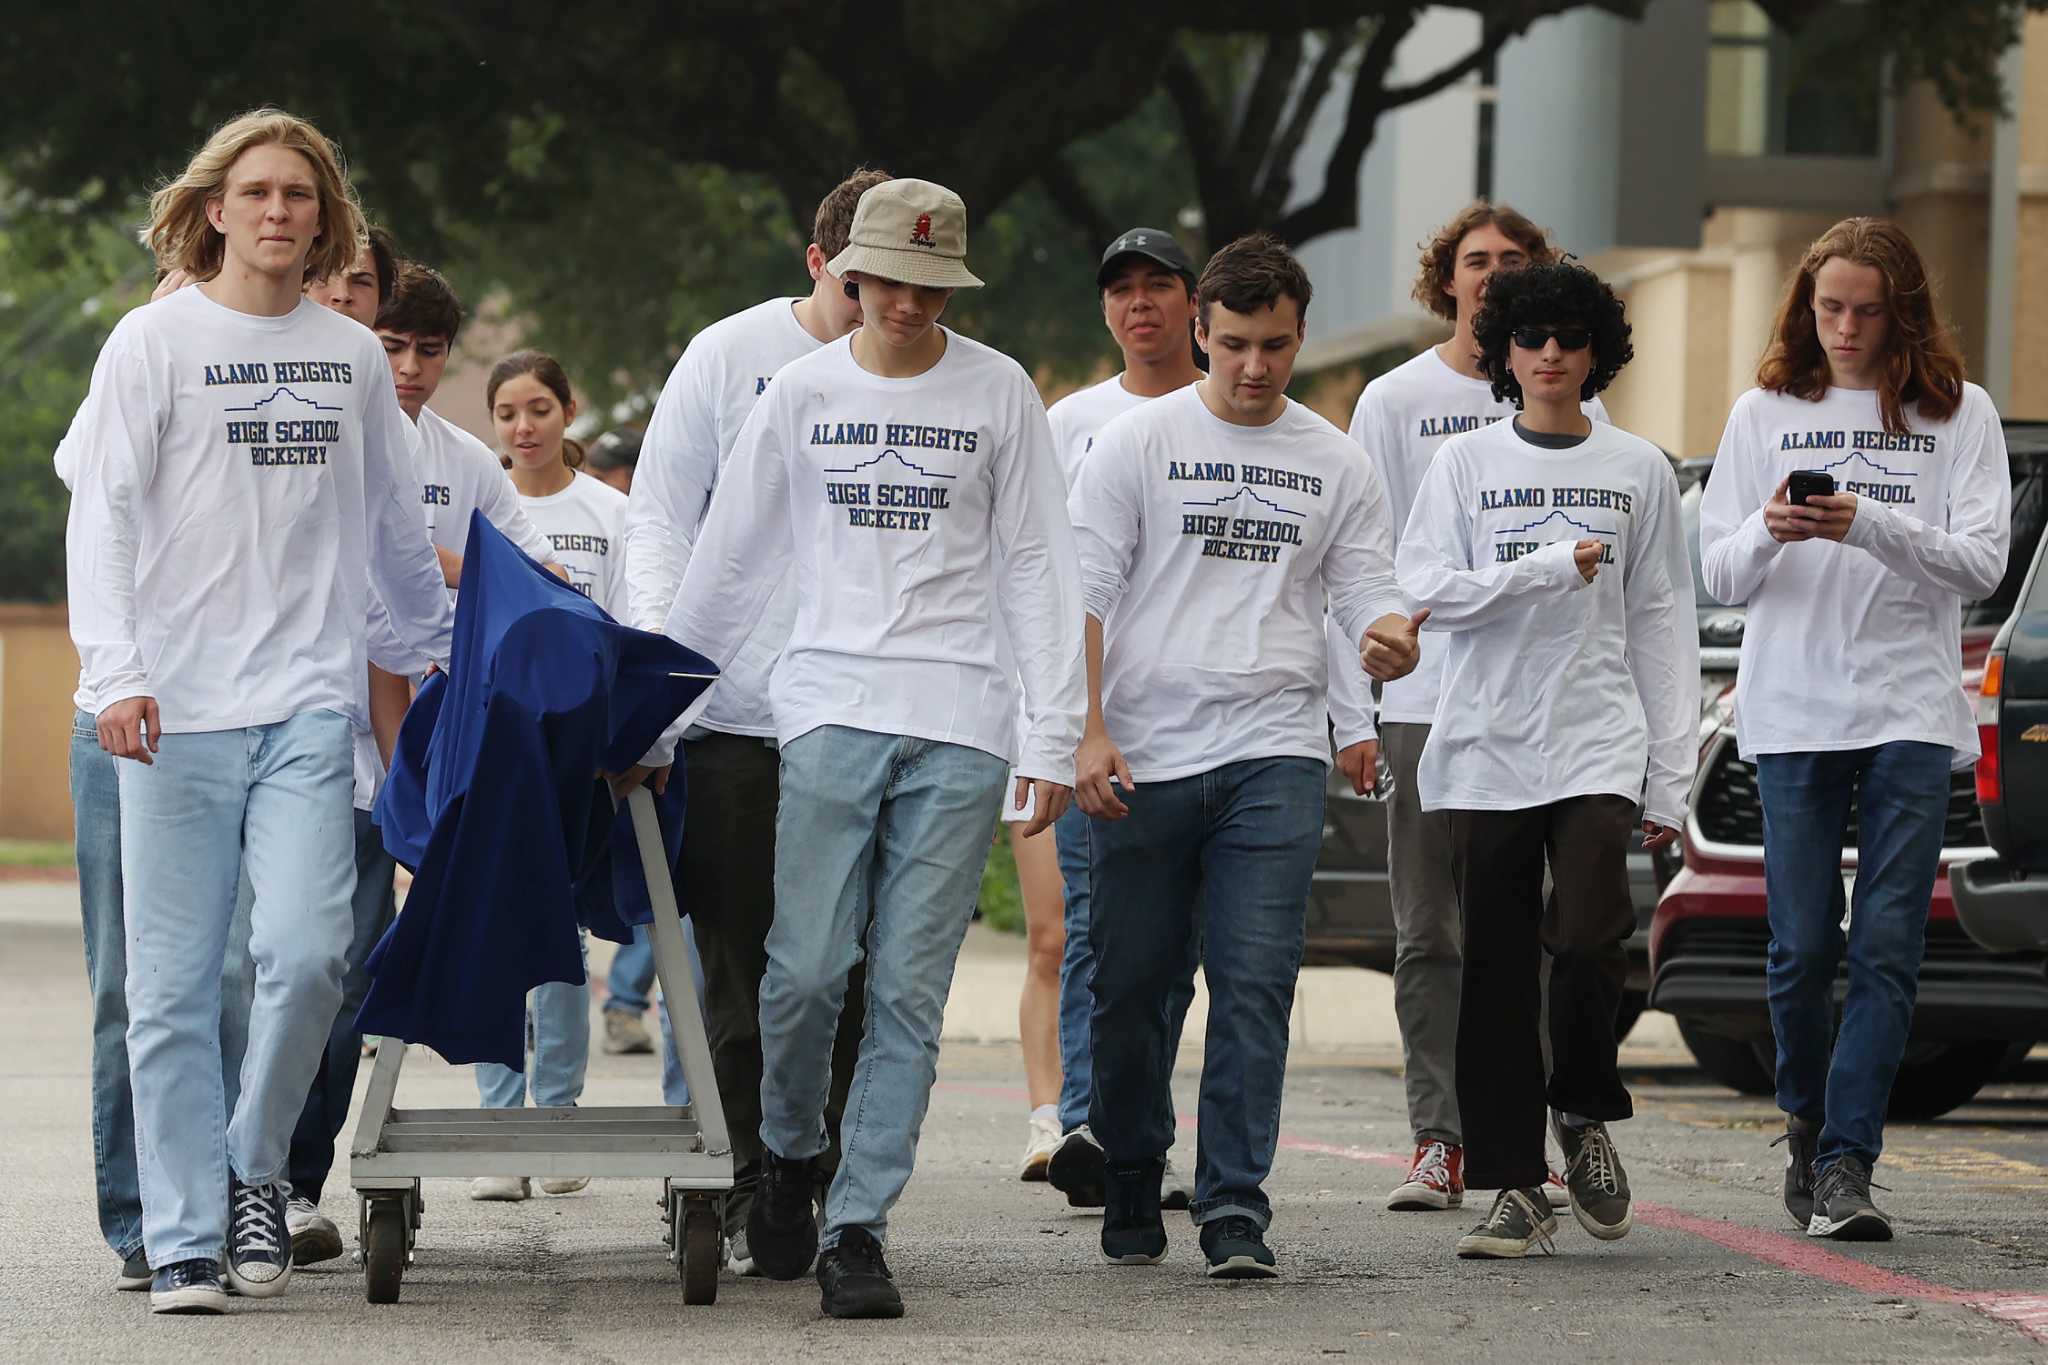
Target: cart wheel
{"type": "Point", "coordinates": [384, 1250]}
{"type": "Point", "coordinates": [699, 1244]}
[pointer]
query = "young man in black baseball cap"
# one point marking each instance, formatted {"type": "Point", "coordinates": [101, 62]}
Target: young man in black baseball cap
{"type": "Point", "coordinates": [1147, 286]}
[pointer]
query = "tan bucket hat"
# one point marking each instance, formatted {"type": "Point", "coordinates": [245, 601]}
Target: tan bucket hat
{"type": "Point", "coordinates": [911, 231]}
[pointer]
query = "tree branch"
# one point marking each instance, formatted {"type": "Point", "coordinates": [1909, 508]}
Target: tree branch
{"type": "Point", "coordinates": [1277, 183]}
{"type": "Point", "coordinates": [1265, 101]}
{"type": "Point", "coordinates": [1203, 125]}
{"type": "Point", "coordinates": [1070, 196]}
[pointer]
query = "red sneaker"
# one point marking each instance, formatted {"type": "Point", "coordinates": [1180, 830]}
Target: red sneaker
{"type": "Point", "coordinates": [1436, 1179]}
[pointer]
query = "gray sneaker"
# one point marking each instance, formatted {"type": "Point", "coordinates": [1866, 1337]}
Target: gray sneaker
{"type": "Point", "coordinates": [135, 1273]}
{"type": "Point", "coordinates": [1842, 1208]}
{"type": "Point", "coordinates": [1519, 1220]}
{"type": "Point", "coordinates": [1799, 1138]}
{"type": "Point", "coordinates": [625, 1034]}
{"type": "Point", "coordinates": [1594, 1177]}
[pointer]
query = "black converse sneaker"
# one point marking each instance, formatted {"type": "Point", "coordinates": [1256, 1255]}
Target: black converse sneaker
{"type": "Point", "coordinates": [1842, 1208]}
{"type": "Point", "coordinates": [856, 1280]}
{"type": "Point", "coordinates": [1236, 1248]}
{"type": "Point", "coordinates": [782, 1225]}
{"type": "Point", "coordinates": [135, 1272]}
{"type": "Point", "coordinates": [1519, 1220]}
{"type": "Point", "coordinates": [259, 1246]}
{"type": "Point", "coordinates": [1132, 1231]}
{"type": "Point", "coordinates": [1595, 1179]}
{"type": "Point", "coordinates": [1800, 1138]}
{"type": "Point", "coordinates": [188, 1287]}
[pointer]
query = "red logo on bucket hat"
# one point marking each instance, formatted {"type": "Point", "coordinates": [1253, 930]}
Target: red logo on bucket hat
{"type": "Point", "coordinates": [921, 233]}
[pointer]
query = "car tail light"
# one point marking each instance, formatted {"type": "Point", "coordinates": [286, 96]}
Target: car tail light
{"type": "Point", "coordinates": [1990, 782]}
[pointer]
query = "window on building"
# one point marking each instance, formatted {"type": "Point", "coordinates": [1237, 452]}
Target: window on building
{"type": "Point", "coordinates": [1772, 93]}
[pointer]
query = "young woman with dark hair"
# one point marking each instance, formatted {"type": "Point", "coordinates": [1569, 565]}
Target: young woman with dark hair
{"type": "Point", "coordinates": [1851, 676]}
{"type": "Point", "coordinates": [1550, 551]}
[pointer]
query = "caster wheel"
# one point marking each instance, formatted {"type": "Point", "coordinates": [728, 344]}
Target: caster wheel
{"type": "Point", "coordinates": [384, 1250]}
{"type": "Point", "coordinates": [698, 1252]}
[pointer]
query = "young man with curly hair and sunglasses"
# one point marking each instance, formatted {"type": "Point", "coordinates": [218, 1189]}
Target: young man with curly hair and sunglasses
{"type": "Point", "coordinates": [1403, 418]}
{"type": "Point", "coordinates": [1549, 550]}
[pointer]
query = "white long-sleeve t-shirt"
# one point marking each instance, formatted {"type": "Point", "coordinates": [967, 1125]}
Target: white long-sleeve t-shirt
{"type": "Point", "coordinates": [1857, 644]}
{"type": "Point", "coordinates": [241, 489]}
{"type": "Point", "coordinates": [582, 526]}
{"type": "Point", "coordinates": [709, 394]}
{"type": "Point", "coordinates": [1555, 687]}
{"type": "Point", "coordinates": [1402, 419]}
{"type": "Point", "coordinates": [883, 499]}
{"type": "Point", "coordinates": [1209, 551]}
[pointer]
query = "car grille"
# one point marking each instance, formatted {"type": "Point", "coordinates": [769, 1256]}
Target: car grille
{"type": "Point", "coordinates": [1730, 812]}
{"type": "Point", "coordinates": [1749, 940]}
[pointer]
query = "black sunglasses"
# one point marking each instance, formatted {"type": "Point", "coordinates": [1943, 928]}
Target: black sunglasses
{"type": "Point", "coordinates": [1568, 338]}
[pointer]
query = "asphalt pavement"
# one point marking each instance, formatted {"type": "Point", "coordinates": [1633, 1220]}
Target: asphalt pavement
{"type": "Point", "coordinates": [993, 1268]}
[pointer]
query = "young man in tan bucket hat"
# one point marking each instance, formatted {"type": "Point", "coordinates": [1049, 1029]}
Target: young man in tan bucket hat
{"type": "Point", "coordinates": [876, 472]}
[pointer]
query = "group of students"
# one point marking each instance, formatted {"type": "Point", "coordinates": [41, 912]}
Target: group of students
{"type": "Point", "coordinates": [1134, 624]}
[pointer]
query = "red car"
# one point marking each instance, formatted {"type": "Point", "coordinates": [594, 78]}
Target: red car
{"type": "Point", "coordinates": [1977, 1011]}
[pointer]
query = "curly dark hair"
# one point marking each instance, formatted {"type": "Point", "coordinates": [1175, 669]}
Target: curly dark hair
{"type": "Point", "coordinates": [1557, 294]}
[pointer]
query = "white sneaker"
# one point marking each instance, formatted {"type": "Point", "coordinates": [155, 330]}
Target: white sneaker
{"type": "Point", "coordinates": [315, 1238]}
{"type": "Point", "coordinates": [1176, 1191]}
{"type": "Point", "coordinates": [500, 1187]}
{"type": "Point", "coordinates": [563, 1184]}
{"type": "Point", "coordinates": [1044, 1139]}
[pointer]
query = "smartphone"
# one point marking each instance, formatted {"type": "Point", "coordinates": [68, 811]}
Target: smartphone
{"type": "Point", "coordinates": [1805, 483]}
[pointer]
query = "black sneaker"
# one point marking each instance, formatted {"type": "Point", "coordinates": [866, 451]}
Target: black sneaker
{"type": "Point", "coordinates": [1519, 1220]}
{"type": "Point", "coordinates": [1075, 1169]}
{"type": "Point", "coordinates": [782, 1226]}
{"type": "Point", "coordinates": [1800, 1138]}
{"type": "Point", "coordinates": [135, 1272]}
{"type": "Point", "coordinates": [259, 1244]}
{"type": "Point", "coordinates": [188, 1287]}
{"type": "Point", "coordinates": [1842, 1208]}
{"type": "Point", "coordinates": [1236, 1248]}
{"type": "Point", "coordinates": [856, 1280]}
{"type": "Point", "coordinates": [1595, 1180]}
{"type": "Point", "coordinates": [1133, 1233]}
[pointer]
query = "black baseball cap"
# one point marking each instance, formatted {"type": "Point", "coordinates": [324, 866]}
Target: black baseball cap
{"type": "Point", "coordinates": [1153, 245]}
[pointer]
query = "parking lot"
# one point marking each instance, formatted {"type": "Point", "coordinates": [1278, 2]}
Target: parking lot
{"type": "Point", "coordinates": [1713, 1269]}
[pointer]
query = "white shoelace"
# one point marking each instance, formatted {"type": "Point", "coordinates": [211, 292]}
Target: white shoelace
{"type": "Point", "coordinates": [1596, 1153]}
{"type": "Point", "coordinates": [1433, 1166]}
{"type": "Point", "coordinates": [1499, 1217]}
{"type": "Point", "coordinates": [256, 1227]}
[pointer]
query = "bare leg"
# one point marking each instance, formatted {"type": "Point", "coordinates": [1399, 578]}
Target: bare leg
{"type": "Point", "coordinates": [1038, 1012]}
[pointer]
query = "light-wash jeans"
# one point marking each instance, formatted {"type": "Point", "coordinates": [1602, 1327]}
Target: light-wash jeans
{"type": "Point", "coordinates": [96, 817]}
{"type": "Point", "coordinates": [880, 843]}
{"type": "Point", "coordinates": [675, 1088]}
{"type": "Point", "coordinates": [629, 986]}
{"type": "Point", "coordinates": [558, 1032]}
{"type": "Point", "coordinates": [280, 797]}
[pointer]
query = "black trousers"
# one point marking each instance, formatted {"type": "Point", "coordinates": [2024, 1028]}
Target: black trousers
{"type": "Point", "coordinates": [728, 890]}
{"type": "Point", "coordinates": [1499, 861]}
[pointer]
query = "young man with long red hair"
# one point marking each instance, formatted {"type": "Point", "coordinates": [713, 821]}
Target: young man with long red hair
{"type": "Point", "coordinates": [1850, 690]}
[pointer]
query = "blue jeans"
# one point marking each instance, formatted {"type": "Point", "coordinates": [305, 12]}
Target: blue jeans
{"type": "Point", "coordinates": [1225, 855]}
{"type": "Point", "coordinates": [1077, 975]}
{"type": "Point", "coordinates": [558, 1026]}
{"type": "Point", "coordinates": [279, 797]}
{"type": "Point", "coordinates": [629, 986]}
{"type": "Point", "coordinates": [96, 815]}
{"type": "Point", "coordinates": [880, 842]}
{"type": "Point", "coordinates": [1901, 792]}
{"type": "Point", "coordinates": [372, 908]}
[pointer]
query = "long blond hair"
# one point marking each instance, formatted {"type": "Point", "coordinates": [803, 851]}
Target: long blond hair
{"type": "Point", "coordinates": [183, 239]}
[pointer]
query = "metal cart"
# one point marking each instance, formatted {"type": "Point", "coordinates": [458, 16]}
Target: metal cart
{"type": "Point", "coordinates": [685, 1148]}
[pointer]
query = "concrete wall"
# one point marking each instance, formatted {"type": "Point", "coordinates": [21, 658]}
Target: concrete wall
{"type": "Point", "coordinates": [38, 673]}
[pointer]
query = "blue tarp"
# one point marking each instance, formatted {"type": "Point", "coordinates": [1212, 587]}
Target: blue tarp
{"type": "Point", "coordinates": [494, 802]}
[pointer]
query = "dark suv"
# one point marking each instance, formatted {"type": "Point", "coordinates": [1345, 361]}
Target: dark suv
{"type": "Point", "coordinates": [2002, 901]}
{"type": "Point", "coordinates": [1976, 1010]}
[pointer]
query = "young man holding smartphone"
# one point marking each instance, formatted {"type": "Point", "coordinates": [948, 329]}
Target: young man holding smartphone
{"type": "Point", "coordinates": [1550, 550]}
{"type": "Point", "coordinates": [1850, 689]}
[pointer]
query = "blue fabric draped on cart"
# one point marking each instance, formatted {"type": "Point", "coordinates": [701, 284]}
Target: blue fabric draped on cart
{"type": "Point", "coordinates": [493, 801]}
